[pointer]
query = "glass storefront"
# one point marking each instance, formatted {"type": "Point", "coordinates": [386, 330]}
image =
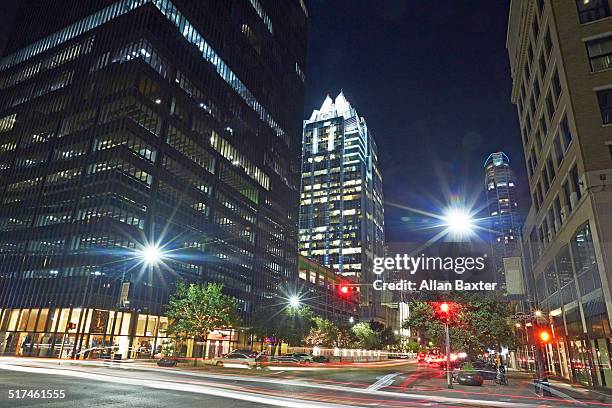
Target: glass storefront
{"type": "Point", "coordinates": [94, 333]}
{"type": "Point", "coordinates": [571, 294]}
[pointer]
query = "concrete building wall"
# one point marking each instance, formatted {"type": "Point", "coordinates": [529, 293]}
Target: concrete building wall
{"type": "Point", "coordinates": [570, 174]}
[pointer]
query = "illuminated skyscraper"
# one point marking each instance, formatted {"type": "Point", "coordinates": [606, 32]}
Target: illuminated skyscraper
{"type": "Point", "coordinates": [502, 208]}
{"type": "Point", "coordinates": [130, 122]}
{"type": "Point", "coordinates": [341, 213]}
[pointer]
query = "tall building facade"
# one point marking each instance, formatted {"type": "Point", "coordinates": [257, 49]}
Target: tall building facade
{"type": "Point", "coordinates": [341, 211]}
{"type": "Point", "coordinates": [131, 127]}
{"type": "Point", "coordinates": [561, 65]}
{"type": "Point", "coordinates": [319, 287]}
{"type": "Point", "coordinates": [502, 207]}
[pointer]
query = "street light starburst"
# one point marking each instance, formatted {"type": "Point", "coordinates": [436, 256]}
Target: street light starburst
{"type": "Point", "coordinates": [294, 302]}
{"type": "Point", "coordinates": [458, 221]}
{"type": "Point", "coordinates": [151, 255]}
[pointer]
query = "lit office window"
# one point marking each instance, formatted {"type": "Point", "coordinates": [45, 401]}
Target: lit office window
{"type": "Point", "coordinates": [262, 14]}
{"type": "Point", "coordinates": [592, 10]}
{"type": "Point", "coordinates": [7, 122]}
{"type": "Point", "coordinates": [600, 54]}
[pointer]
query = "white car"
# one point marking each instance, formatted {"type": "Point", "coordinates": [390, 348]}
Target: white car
{"type": "Point", "coordinates": [305, 357]}
{"type": "Point", "coordinates": [237, 359]}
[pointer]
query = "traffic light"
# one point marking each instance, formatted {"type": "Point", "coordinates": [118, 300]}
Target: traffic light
{"type": "Point", "coordinates": [345, 289]}
{"type": "Point", "coordinates": [446, 311]}
{"type": "Point", "coordinates": [545, 337]}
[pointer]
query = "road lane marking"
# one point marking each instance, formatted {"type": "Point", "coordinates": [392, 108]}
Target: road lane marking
{"type": "Point", "coordinates": [383, 382]}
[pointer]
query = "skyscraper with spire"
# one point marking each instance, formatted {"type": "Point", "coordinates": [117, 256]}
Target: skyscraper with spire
{"type": "Point", "coordinates": [341, 212]}
{"type": "Point", "coordinates": [502, 209]}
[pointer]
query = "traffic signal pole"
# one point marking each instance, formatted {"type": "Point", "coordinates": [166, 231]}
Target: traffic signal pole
{"type": "Point", "coordinates": [446, 310]}
{"type": "Point", "coordinates": [540, 339]}
{"type": "Point", "coordinates": [449, 378]}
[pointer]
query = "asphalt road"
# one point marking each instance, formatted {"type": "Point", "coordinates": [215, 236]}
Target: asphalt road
{"type": "Point", "coordinates": [400, 384]}
{"type": "Point", "coordinates": [84, 393]}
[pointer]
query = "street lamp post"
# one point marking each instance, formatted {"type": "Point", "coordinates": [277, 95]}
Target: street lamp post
{"type": "Point", "coordinates": [446, 312]}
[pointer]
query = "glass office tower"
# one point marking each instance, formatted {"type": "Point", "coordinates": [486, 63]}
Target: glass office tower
{"type": "Point", "coordinates": [153, 125]}
{"type": "Point", "coordinates": [341, 212]}
{"type": "Point", "coordinates": [502, 210]}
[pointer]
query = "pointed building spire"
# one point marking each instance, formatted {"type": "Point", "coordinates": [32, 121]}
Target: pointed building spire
{"type": "Point", "coordinates": [328, 104]}
{"type": "Point", "coordinates": [342, 105]}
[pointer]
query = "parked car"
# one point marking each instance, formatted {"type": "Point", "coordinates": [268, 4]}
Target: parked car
{"type": "Point", "coordinates": [320, 359]}
{"type": "Point", "coordinates": [304, 357]}
{"type": "Point", "coordinates": [486, 370]}
{"type": "Point", "coordinates": [288, 358]}
{"type": "Point", "coordinates": [469, 378]}
{"type": "Point", "coordinates": [167, 362]}
{"type": "Point", "coordinates": [239, 359]}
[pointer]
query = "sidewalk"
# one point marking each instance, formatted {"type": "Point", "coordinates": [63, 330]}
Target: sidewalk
{"type": "Point", "coordinates": [579, 392]}
{"type": "Point", "coordinates": [520, 385]}
{"type": "Point", "coordinates": [561, 386]}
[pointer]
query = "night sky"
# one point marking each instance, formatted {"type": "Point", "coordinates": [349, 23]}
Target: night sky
{"type": "Point", "coordinates": [433, 83]}
{"type": "Point", "coordinates": [432, 80]}
{"type": "Point", "coordinates": [8, 8]}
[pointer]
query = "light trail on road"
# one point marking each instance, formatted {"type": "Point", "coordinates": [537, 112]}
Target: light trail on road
{"type": "Point", "coordinates": [216, 389]}
{"type": "Point", "coordinates": [169, 385]}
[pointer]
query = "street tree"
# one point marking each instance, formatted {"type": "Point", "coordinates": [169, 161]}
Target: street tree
{"type": "Point", "coordinates": [366, 338]}
{"type": "Point", "coordinates": [282, 324]}
{"type": "Point", "coordinates": [384, 336]}
{"type": "Point", "coordinates": [194, 310]}
{"type": "Point", "coordinates": [323, 333]}
{"type": "Point", "coordinates": [477, 323]}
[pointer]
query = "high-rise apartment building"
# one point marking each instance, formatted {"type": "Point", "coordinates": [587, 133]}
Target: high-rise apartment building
{"type": "Point", "coordinates": [502, 209]}
{"type": "Point", "coordinates": [341, 212]}
{"type": "Point", "coordinates": [561, 62]}
{"type": "Point", "coordinates": [133, 128]}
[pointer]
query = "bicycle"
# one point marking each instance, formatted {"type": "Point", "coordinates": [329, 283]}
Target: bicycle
{"type": "Point", "coordinates": [501, 378]}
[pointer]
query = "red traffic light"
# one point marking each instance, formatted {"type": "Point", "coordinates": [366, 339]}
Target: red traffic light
{"type": "Point", "coordinates": [545, 336]}
{"type": "Point", "coordinates": [346, 289]}
{"type": "Point", "coordinates": [444, 307]}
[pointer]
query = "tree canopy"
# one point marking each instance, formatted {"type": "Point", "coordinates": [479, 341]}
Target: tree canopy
{"type": "Point", "coordinates": [477, 323]}
{"type": "Point", "coordinates": [282, 323]}
{"type": "Point", "coordinates": [195, 310]}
